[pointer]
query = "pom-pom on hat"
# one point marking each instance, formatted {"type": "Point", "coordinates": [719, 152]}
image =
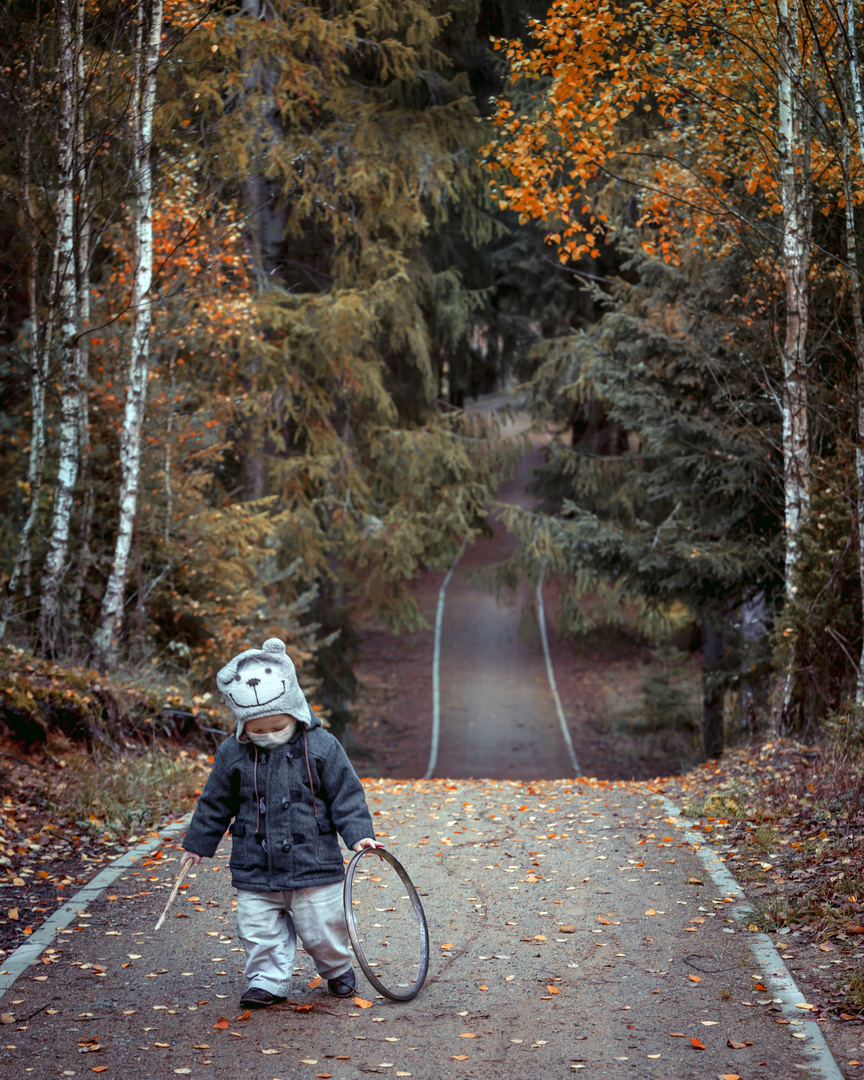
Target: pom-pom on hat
{"type": "Point", "coordinates": [263, 682]}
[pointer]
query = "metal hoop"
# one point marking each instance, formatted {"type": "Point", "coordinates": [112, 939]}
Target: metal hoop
{"type": "Point", "coordinates": [418, 911]}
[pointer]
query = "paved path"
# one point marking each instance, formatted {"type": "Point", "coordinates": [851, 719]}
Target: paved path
{"type": "Point", "coordinates": [498, 716]}
{"type": "Point", "coordinates": [654, 961]}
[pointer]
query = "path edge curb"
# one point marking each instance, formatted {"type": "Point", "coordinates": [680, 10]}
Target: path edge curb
{"type": "Point", "coordinates": [28, 954]}
{"type": "Point", "coordinates": [775, 974]}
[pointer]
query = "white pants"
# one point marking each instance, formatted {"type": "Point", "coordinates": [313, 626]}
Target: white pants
{"type": "Point", "coordinates": [268, 925]}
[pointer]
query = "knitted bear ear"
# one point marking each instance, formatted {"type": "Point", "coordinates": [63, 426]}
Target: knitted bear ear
{"type": "Point", "coordinates": [274, 645]}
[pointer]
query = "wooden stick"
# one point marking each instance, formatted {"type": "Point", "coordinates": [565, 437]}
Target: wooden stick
{"type": "Point", "coordinates": [173, 895]}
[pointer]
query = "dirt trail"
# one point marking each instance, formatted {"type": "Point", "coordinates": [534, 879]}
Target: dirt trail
{"type": "Point", "coordinates": [497, 713]}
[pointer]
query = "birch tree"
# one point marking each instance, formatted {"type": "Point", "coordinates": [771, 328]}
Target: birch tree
{"type": "Point", "coordinates": [847, 8]}
{"type": "Point", "coordinates": [55, 564]}
{"type": "Point", "coordinates": [148, 35]}
{"type": "Point", "coordinates": [83, 255]}
{"type": "Point", "coordinates": [796, 196]}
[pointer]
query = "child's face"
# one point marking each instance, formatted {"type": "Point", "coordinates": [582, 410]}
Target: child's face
{"type": "Point", "coordinates": [267, 725]}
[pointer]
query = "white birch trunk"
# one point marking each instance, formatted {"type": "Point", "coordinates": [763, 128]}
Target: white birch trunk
{"type": "Point", "coordinates": [793, 155]}
{"type": "Point", "coordinates": [55, 563]}
{"type": "Point", "coordinates": [796, 201]}
{"type": "Point", "coordinates": [858, 111]}
{"type": "Point", "coordinates": [149, 17]}
{"type": "Point", "coordinates": [83, 255]}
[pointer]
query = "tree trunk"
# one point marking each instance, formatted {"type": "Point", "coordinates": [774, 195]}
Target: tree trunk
{"type": "Point", "coordinates": [34, 343]}
{"type": "Point", "coordinates": [794, 166]}
{"type": "Point", "coordinates": [796, 201]}
{"type": "Point", "coordinates": [854, 272]}
{"type": "Point", "coordinates": [149, 35]}
{"type": "Point", "coordinates": [712, 695]}
{"type": "Point", "coordinates": [753, 628]}
{"type": "Point", "coordinates": [83, 277]}
{"type": "Point", "coordinates": [54, 566]}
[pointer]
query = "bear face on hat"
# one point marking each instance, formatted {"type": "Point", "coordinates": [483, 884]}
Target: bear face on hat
{"type": "Point", "coordinates": [262, 682]}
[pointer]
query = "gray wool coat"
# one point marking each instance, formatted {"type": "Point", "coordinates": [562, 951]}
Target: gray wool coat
{"type": "Point", "coordinates": [285, 846]}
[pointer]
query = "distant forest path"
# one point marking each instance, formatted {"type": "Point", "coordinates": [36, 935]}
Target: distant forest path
{"type": "Point", "coordinates": [498, 715]}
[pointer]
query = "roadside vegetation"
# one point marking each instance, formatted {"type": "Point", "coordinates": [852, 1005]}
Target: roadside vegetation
{"type": "Point", "coordinates": [790, 820]}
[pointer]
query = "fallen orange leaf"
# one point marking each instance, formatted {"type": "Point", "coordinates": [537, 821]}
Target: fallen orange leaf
{"type": "Point", "coordinates": [567, 929]}
{"type": "Point", "coordinates": [449, 945]}
{"type": "Point", "coordinates": [361, 1003]}
{"type": "Point", "coordinates": [696, 1043]}
{"type": "Point", "coordinates": [553, 989]}
{"type": "Point", "coordinates": [733, 1045]}
{"type": "Point", "coordinates": [221, 1023]}
{"type": "Point", "coordinates": [677, 1034]}
{"type": "Point", "coordinates": [468, 1035]}
{"type": "Point", "coordinates": [315, 982]}
{"type": "Point", "coordinates": [539, 937]}
{"type": "Point", "coordinates": [99, 1068]}
{"type": "Point", "coordinates": [458, 1057]}
{"type": "Point", "coordinates": [695, 978]}
{"type": "Point", "coordinates": [605, 922]}
{"type": "Point", "coordinates": [484, 987]}
{"type": "Point", "coordinates": [650, 911]}
{"type": "Point", "coordinates": [729, 1076]}
{"type": "Point", "coordinates": [245, 1015]}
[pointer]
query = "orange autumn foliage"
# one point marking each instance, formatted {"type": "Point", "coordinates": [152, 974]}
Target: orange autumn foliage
{"type": "Point", "coordinates": [673, 103]}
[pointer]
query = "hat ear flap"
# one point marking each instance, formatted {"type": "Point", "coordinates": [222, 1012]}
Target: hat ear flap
{"type": "Point", "coordinates": [227, 673]}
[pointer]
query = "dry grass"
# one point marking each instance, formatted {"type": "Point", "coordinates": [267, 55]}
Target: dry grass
{"type": "Point", "coordinates": [122, 793]}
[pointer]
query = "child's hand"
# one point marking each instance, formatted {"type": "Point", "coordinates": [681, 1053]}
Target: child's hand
{"type": "Point", "coordinates": [367, 842]}
{"type": "Point", "coordinates": [189, 856]}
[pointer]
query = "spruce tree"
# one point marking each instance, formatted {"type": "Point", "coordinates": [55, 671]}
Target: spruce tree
{"type": "Point", "coordinates": [665, 483]}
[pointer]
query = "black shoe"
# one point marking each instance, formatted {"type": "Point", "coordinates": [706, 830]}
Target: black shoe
{"type": "Point", "coordinates": [343, 985]}
{"type": "Point", "coordinates": [258, 998]}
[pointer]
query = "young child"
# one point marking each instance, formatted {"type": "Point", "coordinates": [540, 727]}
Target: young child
{"type": "Point", "coordinates": [288, 786]}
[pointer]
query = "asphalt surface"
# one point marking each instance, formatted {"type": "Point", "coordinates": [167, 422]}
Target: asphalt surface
{"type": "Point", "coordinates": [569, 933]}
{"type": "Point", "coordinates": [498, 715]}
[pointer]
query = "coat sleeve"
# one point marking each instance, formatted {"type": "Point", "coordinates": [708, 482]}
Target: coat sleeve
{"type": "Point", "coordinates": [217, 805]}
{"type": "Point", "coordinates": [345, 796]}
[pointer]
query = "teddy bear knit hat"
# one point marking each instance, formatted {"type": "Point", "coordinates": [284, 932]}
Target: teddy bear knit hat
{"type": "Point", "coordinates": [263, 682]}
